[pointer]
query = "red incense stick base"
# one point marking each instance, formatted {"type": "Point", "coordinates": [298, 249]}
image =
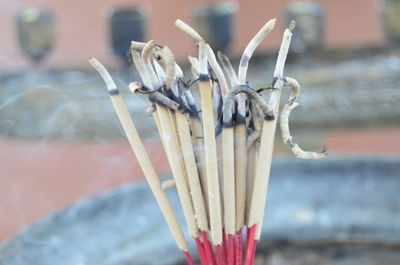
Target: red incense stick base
{"type": "Point", "coordinates": [238, 247]}
{"type": "Point", "coordinates": [188, 258]}
{"type": "Point", "coordinates": [208, 249]}
{"type": "Point", "coordinates": [251, 245]}
{"type": "Point", "coordinates": [231, 250]}
{"type": "Point", "coordinates": [200, 250]}
{"type": "Point", "coordinates": [220, 255]}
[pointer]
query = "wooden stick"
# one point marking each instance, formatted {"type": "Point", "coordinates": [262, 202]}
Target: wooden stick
{"type": "Point", "coordinates": [198, 135]}
{"type": "Point", "coordinates": [240, 128]}
{"type": "Point", "coordinates": [212, 60]}
{"type": "Point", "coordinates": [144, 75]}
{"type": "Point", "coordinates": [226, 145]}
{"type": "Point", "coordinates": [267, 138]}
{"type": "Point", "coordinates": [229, 161]}
{"type": "Point", "coordinates": [253, 145]}
{"type": "Point", "coordinates": [191, 168]}
{"type": "Point", "coordinates": [251, 171]}
{"type": "Point", "coordinates": [188, 31]}
{"type": "Point", "coordinates": [205, 249]}
{"type": "Point", "coordinates": [250, 48]}
{"type": "Point", "coordinates": [226, 64]}
{"type": "Point", "coordinates": [168, 128]}
{"type": "Point", "coordinates": [210, 151]}
{"type": "Point", "coordinates": [188, 152]}
{"type": "Point", "coordinates": [210, 148]}
{"type": "Point", "coordinates": [284, 122]}
{"type": "Point", "coordinates": [167, 184]}
{"type": "Point", "coordinates": [141, 155]}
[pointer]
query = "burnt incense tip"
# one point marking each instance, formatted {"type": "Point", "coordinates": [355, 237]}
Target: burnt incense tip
{"type": "Point", "coordinates": [244, 61]}
{"type": "Point", "coordinates": [270, 117]}
{"type": "Point", "coordinates": [240, 119]}
{"type": "Point", "coordinates": [292, 25]}
{"type": "Point", "coordinates": [274, 80]}
{"type": "Point", "coordinates": [204, 77]}
{"type": "Point", "coordinates": [113, 91]}
{"type": "Point", "coordinates": [325, 150]}
{"type": "Point", "coordinates": [227, 124]}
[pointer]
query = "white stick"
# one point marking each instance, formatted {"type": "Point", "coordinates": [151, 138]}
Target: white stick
{"type": "Point", "coordinates": [210, 148]}
{"type": "Point", "coordinates": [168, 132]}
{"type": "Point", "coordinates": [217, 70]}
{"type": "Point", "coordinates": [241, 130]}
{"type": "Point", "coordinates": [188, 30]}
{"type": "Point", "coordinates": [141, 155]}
{"type": "Point", "coordinates": [267, 138]}
{"type": "Point", "coordinates": [250, 48]}
{"type": "Point", "coordinates": [198, 135]}
{"type": "Point", "coordinates": [226, 64]}
{"type": "Point", "coordinates": [188, 152]}
{"type": "Point", "coordinates": [284, 122]}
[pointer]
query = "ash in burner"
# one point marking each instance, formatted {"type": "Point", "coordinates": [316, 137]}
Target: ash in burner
{"type": "Point", "coordinates": [329, 255]}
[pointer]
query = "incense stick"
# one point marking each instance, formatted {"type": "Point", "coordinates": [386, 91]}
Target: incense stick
{"type": "Point", "coordinates": [253, 145]}
{"type": "Point", "coordinates": [250, 48]}
{"type": "Point", "coordinates": [241, 130]}
{"type": "Point", "coordinates": [197, 130]}
{"type": "Point", "coordinates": [172, 147]}
{"type": "Point", "coordinates": [268, 134]}
{"type": "Point", "coordinates": [188, 154]}
{"type": "Point", "coordinates": [185, 138]}
{"type": "Point", "coordinates": [284, 122]}
{"type": "Point", "coordinates": [210, 148]}
{"type": "Point", "coordinates": [142, 156]}
{"type": "Point", "coordinates": [193, 143]}
{"type": "Point", "coordinates": [228, 161]}
{"type": "Point", "coordinates": [226, 64]}
{"type": "Point", "coordinates": [256, 98]}
{"type": "Point", "coordinates": [209, 137]}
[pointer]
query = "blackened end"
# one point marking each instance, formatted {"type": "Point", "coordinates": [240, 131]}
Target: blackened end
{"type": "Point", "coordinates": [227, 124]}
{"type": "Point", "coordinates": [274, 81]}
{"type": "Point", "coordinates": [270, 117]}
{"type": "Point", "coordinates": [240, 119]}
{"type": "Point", "coordinates": [204, 77]}
{"type": "Point", "coordinates": [218, 128]}
{"type": "Point", "coordinates": [113, 91]}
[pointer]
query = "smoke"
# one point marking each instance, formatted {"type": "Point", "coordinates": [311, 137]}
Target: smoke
{"type": "Point", "coordinates": [61, 141]}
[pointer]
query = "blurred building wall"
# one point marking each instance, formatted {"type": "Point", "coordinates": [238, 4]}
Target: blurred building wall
{"type": "Point", "coordinates": [83, 28]}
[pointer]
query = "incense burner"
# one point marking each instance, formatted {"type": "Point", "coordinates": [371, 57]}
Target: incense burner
{"type": "Point", "coordinates": [334, 203]}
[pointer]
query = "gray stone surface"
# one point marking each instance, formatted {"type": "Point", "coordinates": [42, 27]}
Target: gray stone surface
{"type": "Point", "coordinates": [335, 200]}
{"type": "Point", "coordinates": [75, 105]}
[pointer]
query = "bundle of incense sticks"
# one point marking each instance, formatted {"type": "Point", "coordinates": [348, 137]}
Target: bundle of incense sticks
{"type": "Point", "coordinates": [219, 150]}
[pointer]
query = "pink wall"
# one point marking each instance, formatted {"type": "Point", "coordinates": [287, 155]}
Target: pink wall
{"type": "Point", "coordinates": [82, 28]}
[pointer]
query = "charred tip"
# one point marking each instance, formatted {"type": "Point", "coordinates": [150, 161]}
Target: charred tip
{"type": "Point", "coordinates": [274, 81]}
{"type": "Point", "coordinates": [325, 150]}
{"type": "Point", "coordinates": [204, 77]}
{"type": "Point", "coordinates": [218, 128]}
{"type": "Point", "coordinates": [244, 61]}
{"type": "Point", "coordinates": [292, 25]}
{"type": "Point", "coordinates": [292, 100]}
{"type": "Point", "coordinates": [227, 124]}
{"type": "Point", "coordinates": [270, 117]}
{"type": "Point", "coordinates": [240, 119]}
{"type": "Point", "coordinates": [290, 142]}
{"type": "Point", "coordinates": [113, 91]}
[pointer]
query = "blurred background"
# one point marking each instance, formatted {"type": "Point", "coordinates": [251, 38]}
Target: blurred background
{"type": "Point", "coordinates": [60, 140]}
